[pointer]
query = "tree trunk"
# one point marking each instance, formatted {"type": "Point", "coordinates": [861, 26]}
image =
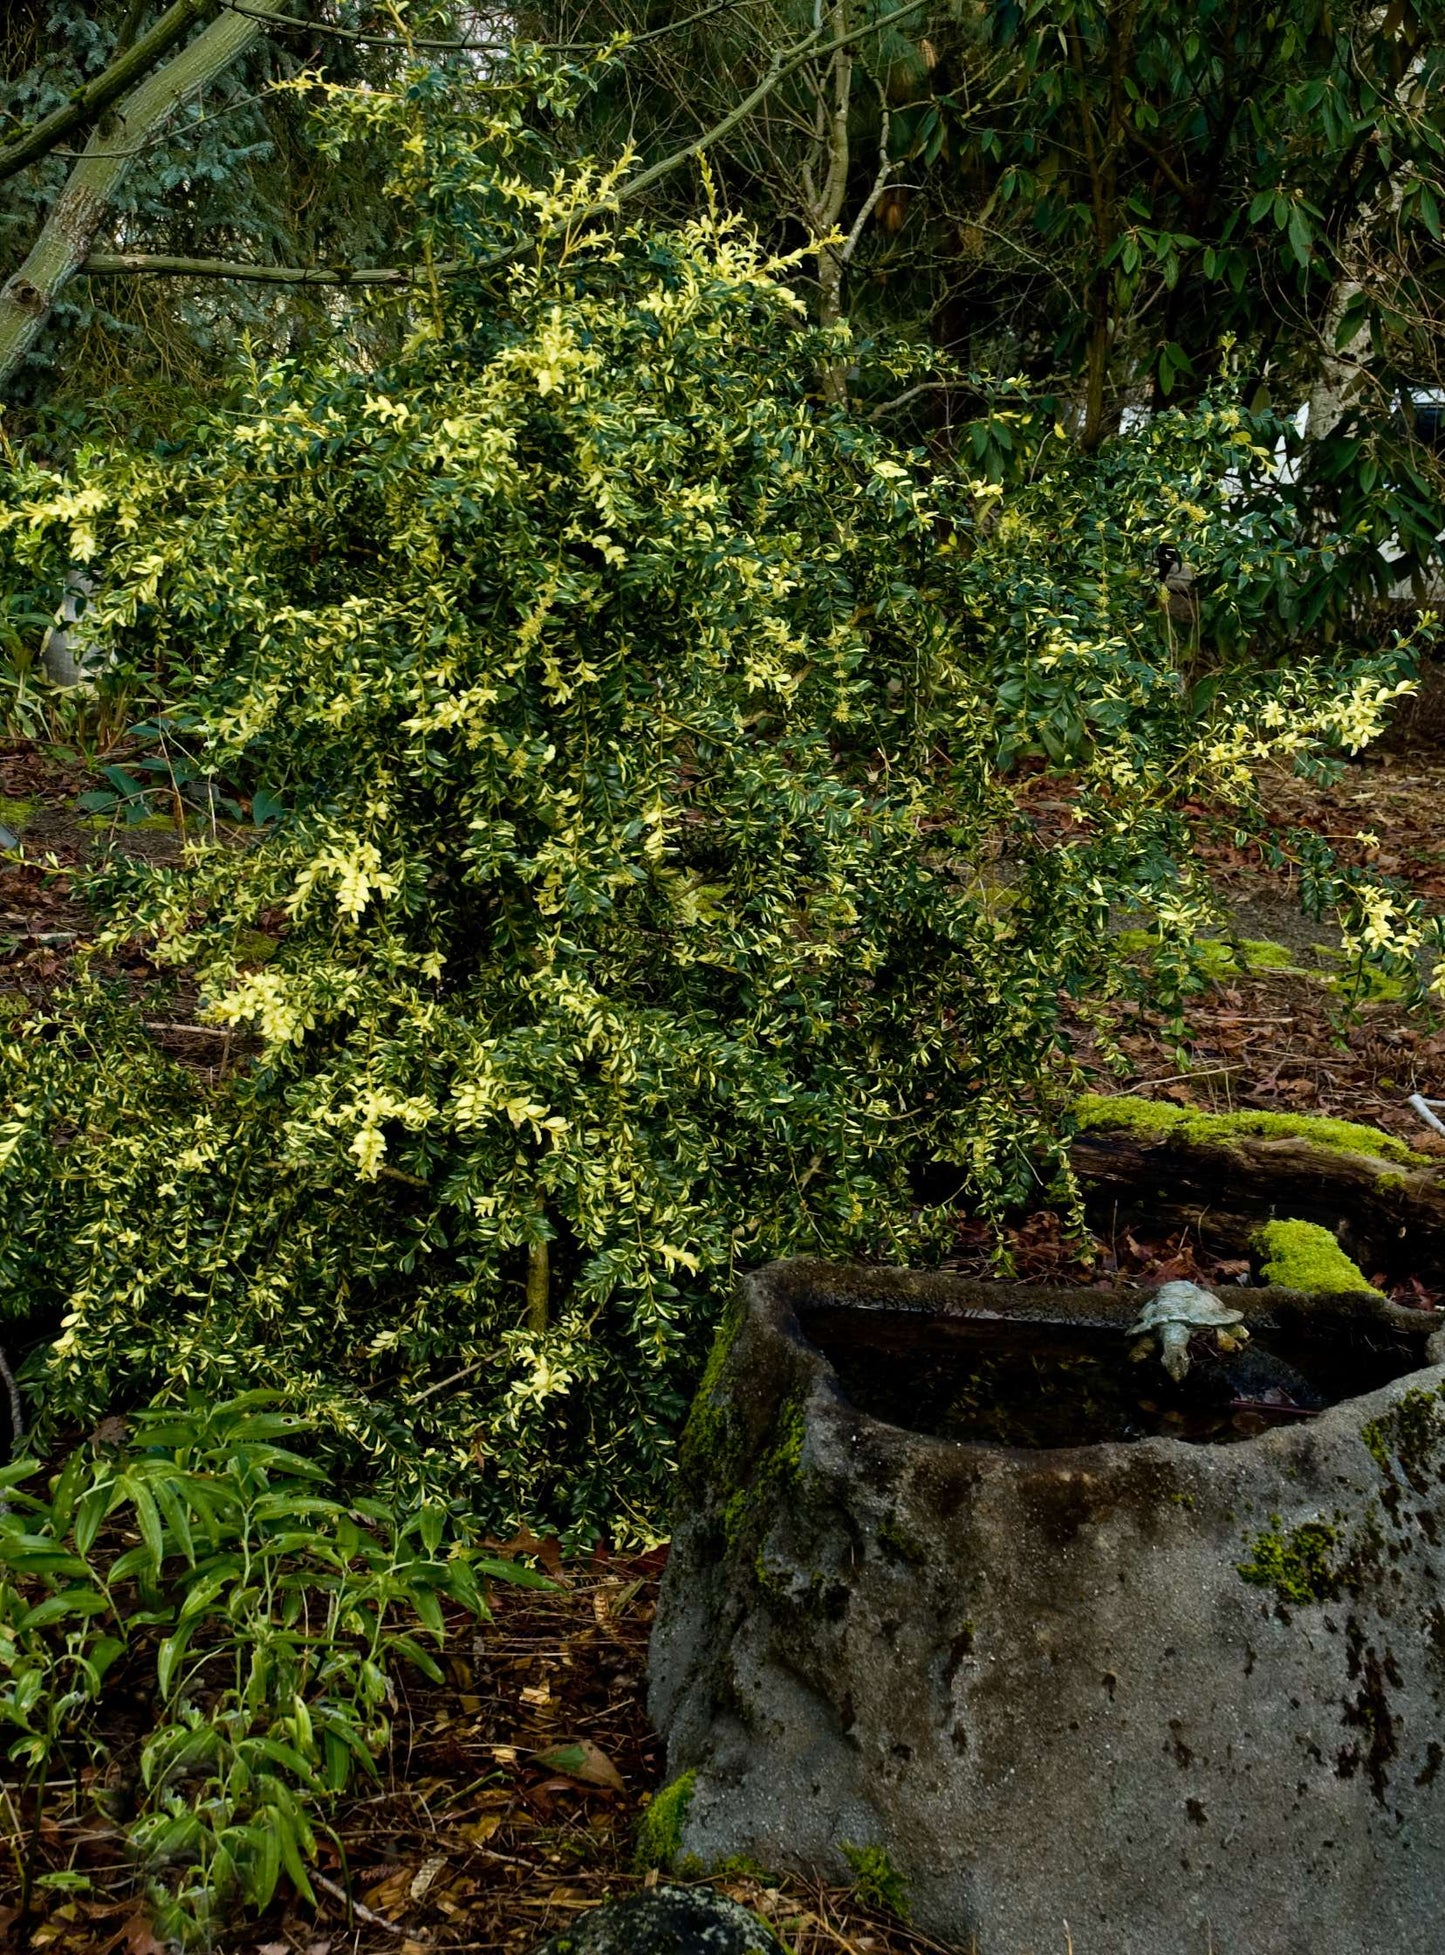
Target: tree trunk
{"type": "Point", "coordinates": [1096, 374]}
{"type": "Point", "coordinates": [78, 212]}
{"type": "Point", "coordinates": [539, 1288]}
{"type": "Point", "coordinates": [823, 201]}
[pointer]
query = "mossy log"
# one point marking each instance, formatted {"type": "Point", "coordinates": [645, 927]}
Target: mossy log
{"type": "Point", "coordinates": [1141, 1161]}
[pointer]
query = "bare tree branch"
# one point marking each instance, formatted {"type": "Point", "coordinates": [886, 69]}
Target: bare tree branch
{"type": "Point", "coordinates": [111, 264]}
{"type": "Point", "coordinates": [785, 62]}
{"type": "Point", "coordinates": [270, 18]}
{"type": "Point", "coordinates": [274, 19]}
{"type": "Point", "coordinates": [880, 184]}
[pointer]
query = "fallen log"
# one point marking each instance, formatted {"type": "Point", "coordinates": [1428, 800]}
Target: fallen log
{"type": "Point", "coordinates": [1223, 1175]}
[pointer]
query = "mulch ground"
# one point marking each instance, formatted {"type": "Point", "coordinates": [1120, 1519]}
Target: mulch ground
{"type": "Point", "coordinates": [474, 1838]}
{"type": "Point", "coordinates": [1289, 1043]}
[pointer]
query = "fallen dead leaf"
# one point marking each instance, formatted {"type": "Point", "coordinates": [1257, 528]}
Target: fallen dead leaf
{"type": "Point", "coordinates": [580, 1759]}
{"type": "Point", "coordinates": [425, 1874]}
{"type": "Point", "coordinates": [546, 1549]}
{"type": "Point", "coordinates": [390, 1894]}
{"type": "Point", "coordinates": [140, 1938]}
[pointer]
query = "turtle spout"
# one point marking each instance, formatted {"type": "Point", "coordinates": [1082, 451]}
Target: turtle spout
{"type": "Point", "coordinates": [1176, 1312]}
{"type": "Point", "coordinates": [1174, 1349]}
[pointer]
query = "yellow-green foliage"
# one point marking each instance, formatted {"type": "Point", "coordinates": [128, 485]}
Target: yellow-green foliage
{"type": "Point", "coordinates": [1304, 1256]}
{"type": "Point", "coordinates": [570, 652]}
{"type": "Point", "coordinates": [1126, 1113]}
{"type": "Point", "coordinates": [597, 672]}
{"type": "Point", "coordinates": [659, 1830]}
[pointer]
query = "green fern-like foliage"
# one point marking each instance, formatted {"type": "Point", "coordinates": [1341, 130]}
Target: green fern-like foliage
{"type": "Point", "coordinates": [260, 1618]}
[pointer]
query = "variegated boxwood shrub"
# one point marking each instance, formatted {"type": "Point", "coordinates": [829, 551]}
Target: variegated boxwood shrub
{"type": "Point", "coordinates": [637, 881]}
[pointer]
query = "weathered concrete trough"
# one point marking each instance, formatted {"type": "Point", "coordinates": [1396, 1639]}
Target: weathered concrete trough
{"type": "Point", "coordinates": [1097, 1660]}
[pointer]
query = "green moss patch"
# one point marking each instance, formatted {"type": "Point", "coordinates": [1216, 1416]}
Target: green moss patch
{"type": "Point", "coordinates": [659, 1830]}
{"type": "Point", "coordinates": [1217, 958]}
{"type": "Point", "coordinates": [16, 815]}
{"type": "Point", "coordinates": [255, 947]}
{"type": "Point", "coordinates": [1361, 984]}
{"type": "Point", "coordinates": [1300, 1565]}
{"type": "Point", "coordinates": [751, 1506]}
{"type": "Point", "coordinates": [1094, 1112]}
{"type": "Point", "coordinates": [876, 1881]}
{"type": "Point", "coordinates": [1304, 1256]}
{"type": "Point", "coordinates": [1412, 1432]}
{"type": "Point", "coordinates": [144, 825]}
{"type": "Point", "coordinates": [709, 1442]}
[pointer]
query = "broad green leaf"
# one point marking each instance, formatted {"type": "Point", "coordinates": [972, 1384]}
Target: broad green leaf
{"type": "Point", "coordinates": [147, 1518]}
{"type": "Point", "coordinates": [77, 1602]}
{"type": "Point", "coordinates": [265, 1860]}
{"type": "Point", "coordinates": [172, 1649]}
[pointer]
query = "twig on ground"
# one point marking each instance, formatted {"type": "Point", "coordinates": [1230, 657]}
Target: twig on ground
{"type": "Point", "coordinates": [362, 1912]}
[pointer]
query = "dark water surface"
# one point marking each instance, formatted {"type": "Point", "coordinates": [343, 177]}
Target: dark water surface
{"type": "Point", "coordinates": [993, 1382]}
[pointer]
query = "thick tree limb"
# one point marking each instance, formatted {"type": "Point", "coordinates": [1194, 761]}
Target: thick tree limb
{"type": "Point", "coordinates": [69, 230]}
{"type": "Point", "coordinates": [97, 95]}
{"type": "Point", "coordinates": [110, 264]}
{"type": "Point", "coordinates": [1394, 1216]}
